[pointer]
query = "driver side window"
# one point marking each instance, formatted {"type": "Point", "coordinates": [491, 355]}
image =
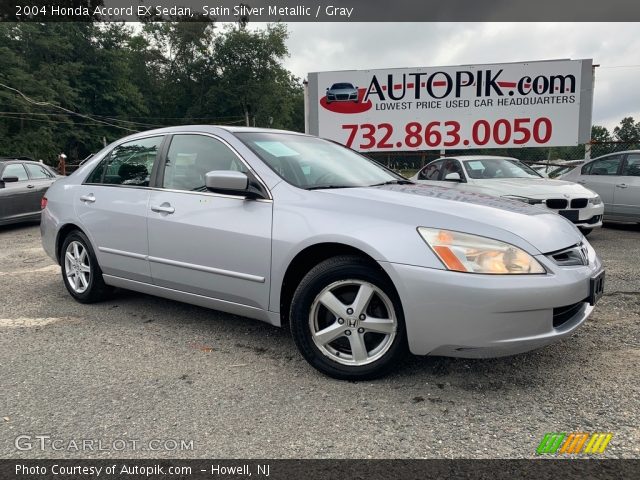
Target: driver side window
{"type": "Point", "coordinates": [431, 171]}
{"type": "Point", "coordinates": [604, 166]}
{"type": "Point", "coordinates": [191, 157]}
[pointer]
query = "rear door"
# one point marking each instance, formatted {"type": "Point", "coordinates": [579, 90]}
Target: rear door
{"type": "Point", "coordinates": [601, 176]}
{"type": "Point", "coordinates": [112, 206]}
{"type": "Point", "coordinates": [205, 243]}
{"type": "Point", "coordinates": [627, 189]}
{"type": "Point", "coordinates": [41, 179]}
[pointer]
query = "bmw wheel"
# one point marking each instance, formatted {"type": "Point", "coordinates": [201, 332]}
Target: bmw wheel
{"type": "Point", "coordinates": [80, 270]}
{"type": "Point", "coordinates": [347, 320]}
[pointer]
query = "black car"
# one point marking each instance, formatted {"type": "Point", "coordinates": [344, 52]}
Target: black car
{"type": "Point", "coordinates": [22, 186]}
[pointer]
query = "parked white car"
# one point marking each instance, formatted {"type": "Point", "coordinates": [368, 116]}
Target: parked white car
{"type": "Point", "coordinates": [510, 178]}
{"type": "Point", "coordinates": [556, 168]}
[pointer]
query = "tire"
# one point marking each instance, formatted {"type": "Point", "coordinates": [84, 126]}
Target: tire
{"type": "Point", "coordinates": [76, 256]}
{"type": "Point", "coordinates": [586, 231]}
{"type": "Point", "coordinates": [376, 341]}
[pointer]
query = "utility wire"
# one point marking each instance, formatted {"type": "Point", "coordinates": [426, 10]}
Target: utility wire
{"type": "Point", "coordinates": [47, 120]}
{"type": "Point", "coordinates": [47, 104]}
{"type": "Point", "coordinates": [238, 119]}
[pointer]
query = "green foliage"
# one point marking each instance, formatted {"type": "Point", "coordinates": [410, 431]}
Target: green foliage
{"type": "Point", "coordinates": [627, 131]}
{"type": "Point", "coordinates": [125, 79]}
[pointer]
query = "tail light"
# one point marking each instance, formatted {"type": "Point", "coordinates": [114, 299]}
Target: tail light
{"type": "Point", "coordinates": [43, 203]}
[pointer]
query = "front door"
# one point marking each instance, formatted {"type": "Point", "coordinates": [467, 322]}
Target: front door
{"type": "Point", "coordinates": [18, 198]}
{"type": "Point", "coordinates": [218, 246]}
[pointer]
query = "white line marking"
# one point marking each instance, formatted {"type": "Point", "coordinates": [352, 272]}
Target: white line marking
{"type": "Point", "coordinates": [26, 322]}
{"type": "Point", "coordinates": [47, 269]}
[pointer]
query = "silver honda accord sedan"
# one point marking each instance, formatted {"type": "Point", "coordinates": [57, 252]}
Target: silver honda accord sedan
{"type": "Point", "coordinates": [361, 264]}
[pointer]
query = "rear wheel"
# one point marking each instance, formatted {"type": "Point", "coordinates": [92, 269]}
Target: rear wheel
{"type": "Point", "coordinates": [80, 270]}
{"type": "Point", "coordinates": [347, 320]}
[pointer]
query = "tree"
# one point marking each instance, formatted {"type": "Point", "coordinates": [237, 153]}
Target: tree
{"type": "Point", "coordinates": [600, 134]}
{"type": "Point", "coordinates": [252, 80]}
{"type": "Point", "coordinates": [628, 131]}
{"type": "Point", "coordinates": [70, 85]}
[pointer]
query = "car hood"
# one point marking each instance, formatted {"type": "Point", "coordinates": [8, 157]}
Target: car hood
{"type": "Point", "coordinates": [531, 187]}
{"type": "Point", "coordinates": [475, 213]}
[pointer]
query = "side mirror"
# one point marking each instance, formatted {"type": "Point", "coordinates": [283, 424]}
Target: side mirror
{"type": "Point", "coordinates": [453, 177]}
{"type": "Point", "coordinates": [228, 181]}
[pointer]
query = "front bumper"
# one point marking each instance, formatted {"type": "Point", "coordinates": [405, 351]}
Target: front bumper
{"type": "Point", "coordinates": [468, 315]}
{"type": "Point", "coordinates": [588, 217]}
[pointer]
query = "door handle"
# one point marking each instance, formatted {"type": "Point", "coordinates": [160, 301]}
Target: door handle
{"type": "Point", "coordinates": [88, 198]}
{"type": "Point", "coordinates": [164, 208]}
{"type": "Point", "coordinates": [30, 186]}
{"type": "Point", "coordinates": [621, 185]}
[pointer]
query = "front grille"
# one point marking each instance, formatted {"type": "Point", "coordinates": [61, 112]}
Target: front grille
{"type": "Point", "coordinates": [342, 97]}
{"type": "Point", "coordinates": [572, 256]}
{"type": "Point", "coordinates": [562, 315]}
{"type": "Point", "coordinates": [556, 203]}
{"type": "Point", "coordinates": [579, 202]}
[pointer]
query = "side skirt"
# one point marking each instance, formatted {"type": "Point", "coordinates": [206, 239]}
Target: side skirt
{"type": "Point", "coordinates": [194, 299]}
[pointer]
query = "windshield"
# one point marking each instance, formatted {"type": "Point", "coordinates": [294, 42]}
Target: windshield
{"type": "Point", "coordinates": [341, 86]}
{"type": "Point", "coordinates": [488, 168]}
{"type": "Point", "coordinates": [310, 162]}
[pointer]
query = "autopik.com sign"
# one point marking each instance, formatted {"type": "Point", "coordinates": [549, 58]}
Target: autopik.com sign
{"type": "Point", "coordinates": [530, 104]}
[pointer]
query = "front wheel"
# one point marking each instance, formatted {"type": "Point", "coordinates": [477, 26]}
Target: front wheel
{"type": "Point", "coordinates": [347, 320]}
{"type": "Point", "coordinates": [80, 270]}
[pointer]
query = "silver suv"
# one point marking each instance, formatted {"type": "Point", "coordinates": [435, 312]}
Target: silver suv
{"type": "Point", "coordinates": [360, 263]}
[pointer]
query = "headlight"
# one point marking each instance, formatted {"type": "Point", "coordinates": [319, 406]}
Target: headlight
{"type": "Point", "coordinates": [595, 200]}
{"type": "Point", "coordinates": [463, 252]}
{"type": "Point", "coordinates": [530, 201]}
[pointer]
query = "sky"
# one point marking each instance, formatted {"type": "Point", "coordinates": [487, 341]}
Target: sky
{"type": "Point", "coordinates": [315, 47]}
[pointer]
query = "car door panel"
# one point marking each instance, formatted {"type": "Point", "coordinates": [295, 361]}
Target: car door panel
{"type": "Point", "coordinates": [115, 218]}
{"type": "Point", "coordinates": [600, 176]}
{"type": "Point", "coordinates": [112, 207]}
{"type": "Point", "coordinates": [17, 197]}
{"type": "Point", "coordinates": [41, 179]}
{"type": "Point", "coordinates": [211, 245]}
{"type": "Point", "coordinates": [627, 189]}
{"type": "Point", "coordinates": [204, 243]}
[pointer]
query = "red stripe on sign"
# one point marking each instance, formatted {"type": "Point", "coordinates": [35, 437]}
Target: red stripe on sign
{"type": "Point", "coordinates": [410, 85]}
{"type": "Point", "coordinates": [440, 83]}
{"type": "Point", "coordinates": [507, 84]}
{"type": "Point", "coordinates": [384, 87]}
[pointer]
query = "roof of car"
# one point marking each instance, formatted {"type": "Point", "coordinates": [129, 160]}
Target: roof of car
{"type": "Point", "coordinates": [14, 159]}
{"type": "Point", "coordinates": [8, 160]}
{"type": "Point", "coordinates": [474, 157]}
{"type": "Point", "coordinates": [616, 153]}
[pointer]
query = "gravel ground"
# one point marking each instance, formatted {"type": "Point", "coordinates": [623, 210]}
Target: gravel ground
{"type": "Point", "coordinates": [143, 368]}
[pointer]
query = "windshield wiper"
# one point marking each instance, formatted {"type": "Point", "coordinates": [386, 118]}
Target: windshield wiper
{"type": "Point", "coordinates": [322, 187]}
{"type": "Point", "coordinates": [392, 182]}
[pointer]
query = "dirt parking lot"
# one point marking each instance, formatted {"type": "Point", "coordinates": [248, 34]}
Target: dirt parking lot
{"type": "Point", "coordinates": [143, 368]}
